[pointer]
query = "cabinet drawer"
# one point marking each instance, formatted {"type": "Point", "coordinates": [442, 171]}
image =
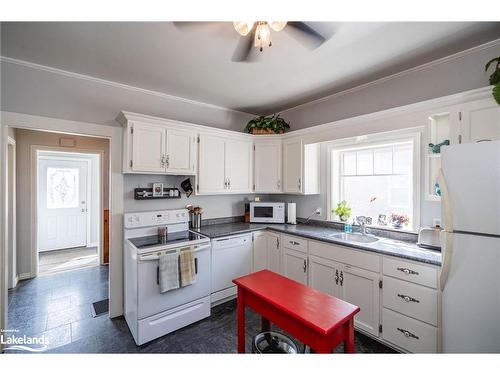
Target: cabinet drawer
{"type": "Point", "coordinates": [295, 243]}
{"type": "Point", "coordinates": [409, 271]}
{"type": "Point", "coordinates": [407, 333]}
{"type": "Point", "coordinates": [345, 255]}
{"type": "Point", "coordinates": [410, 299]}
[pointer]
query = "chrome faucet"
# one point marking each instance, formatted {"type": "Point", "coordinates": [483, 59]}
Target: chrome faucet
{"type": "Point", "coordinates": [361, 221]}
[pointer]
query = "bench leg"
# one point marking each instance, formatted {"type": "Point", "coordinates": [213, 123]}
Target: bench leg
{"type": "Point", "coordinates": [241, 320]}
{"type": "Point", "coordinates": [349, 337]}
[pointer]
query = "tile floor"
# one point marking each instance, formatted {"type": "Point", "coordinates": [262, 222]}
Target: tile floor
{"type": "Point", "coordinates": [67, 259]}
{"type": "Point", "coordinates": [58, 306]}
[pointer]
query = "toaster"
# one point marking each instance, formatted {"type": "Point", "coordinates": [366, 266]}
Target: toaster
{"type": "Point", "coordinates": [429, 238]}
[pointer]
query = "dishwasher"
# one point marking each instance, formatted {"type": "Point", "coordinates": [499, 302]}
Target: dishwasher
{"type": "Point", "coordinates": [231, 258]}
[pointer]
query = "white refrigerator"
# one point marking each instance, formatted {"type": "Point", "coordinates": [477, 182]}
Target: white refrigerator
{"type": "Point", "coordinates": [470, 274]}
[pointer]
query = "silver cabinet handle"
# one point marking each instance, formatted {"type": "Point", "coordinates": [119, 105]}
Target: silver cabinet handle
{"type": "Point", "coordinates": [225, 183]}
{"type": "Point", "coordinates": [408, 333]}
{"type": "Point", "coordinates": [279, 184]}
{"type": "Point", "coordinates": [300, 185]}
{"type": "Point", "coordinates": [228, 183]}
{"type": "Point", "coordinates": [162, 161]}
{"type": "Point", "coordinates": [341, 278]}
{"type": "Point", "coordinates": [407, 271]}
{"type": "Point", "coordinates": [277, 242]}
{"type": "Point", "coordinates": [167, 160]}
{"type": "Point", "coordinates": [407, 298]}
{"type": "Point", "coordinates": [294, 243]}
{"type": "Point", "coordinates": [336, 277]}
{"type": "Point", "coordinates": [304, 267]}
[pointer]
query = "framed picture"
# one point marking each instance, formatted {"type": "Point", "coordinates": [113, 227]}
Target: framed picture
{"type": "Point", "coordinates": [382, 220]}
{"type": "Point", "coordinates": [158, 189]}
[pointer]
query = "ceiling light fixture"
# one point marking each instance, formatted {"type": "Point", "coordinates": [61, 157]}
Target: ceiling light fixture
{"type": "Point", "coordinates": [262, 37]}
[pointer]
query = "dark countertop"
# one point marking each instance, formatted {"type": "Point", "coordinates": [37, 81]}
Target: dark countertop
{"type": "Point", "coordinates": [384, 246]}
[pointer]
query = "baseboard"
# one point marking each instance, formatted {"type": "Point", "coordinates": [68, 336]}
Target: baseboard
{"type": "Point", "coordinates": [24, 276]}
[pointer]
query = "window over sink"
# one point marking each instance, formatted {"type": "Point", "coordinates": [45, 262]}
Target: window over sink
{"type": "Point", "coordinates": [378, 178]}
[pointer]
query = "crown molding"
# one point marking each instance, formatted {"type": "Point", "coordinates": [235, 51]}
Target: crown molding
{"type": "Point", "coordinates": [418, 68]}
{"type": "Point", "coordinates": [4, 59]}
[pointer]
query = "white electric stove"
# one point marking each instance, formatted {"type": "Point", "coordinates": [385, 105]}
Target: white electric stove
{"type": "Point", "coordinates": [149, 313]}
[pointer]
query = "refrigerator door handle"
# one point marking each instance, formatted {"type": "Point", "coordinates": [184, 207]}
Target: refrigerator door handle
{"type": "Point", "coordinates": [446, 209]}
{"type": "Point", "coordinates": [446, 258]}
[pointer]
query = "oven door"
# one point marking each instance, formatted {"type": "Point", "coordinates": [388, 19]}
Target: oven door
{"type": "Point", "coordinates": [149, 299]}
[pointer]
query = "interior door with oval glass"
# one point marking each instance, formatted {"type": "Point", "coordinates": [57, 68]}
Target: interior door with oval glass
{"type": "Point", "coordinates": [62, 204]}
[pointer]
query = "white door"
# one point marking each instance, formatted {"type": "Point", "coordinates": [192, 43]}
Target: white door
{"type": "Point", "coordinates": [239, 166]}
{"type": "Point", "coordinates": [324, 275]}
{"type": "Point", "coordinates": [361, 288]}
{"type": "Point", "coordinates": [259, 251]}
{"type": "Point", "coordinates": [480, 121]}
{"type": "Point", "coordinates": [180, 152]}
{"type": "Point", "coordinates": [292, 170]}
{"type": "Point", "coordinates": [211, 176]}
{"type": "Point", "coordinates": [295, 265]}
{"type": "Point", "coordinates": [267, 170]}
{"type": "Point", "coordinates": [148, 148]}
{"type": "Point", "coordinates": [273, 252]}
{"type": "Point", "coordinates": [62, 204]}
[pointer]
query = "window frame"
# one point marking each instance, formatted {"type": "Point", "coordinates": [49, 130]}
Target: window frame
{"type": "Point", "coordinates": [335, 148]}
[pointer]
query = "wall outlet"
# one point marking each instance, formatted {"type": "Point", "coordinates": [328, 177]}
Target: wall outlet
{"type": "Point", "coordinates": [318, 211]}
{"type": "Point", "coordinates": [436, 222]}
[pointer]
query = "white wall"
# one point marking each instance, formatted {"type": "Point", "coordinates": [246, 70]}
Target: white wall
{"type": "Point", "coordinates": [458, 73]}
{"type": "Point", "coordinates": [40, 91]}
{"type": "Point", "coordinates": [214, 206]}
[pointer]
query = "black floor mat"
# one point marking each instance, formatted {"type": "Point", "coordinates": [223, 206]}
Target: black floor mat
{"type": "Point", "coordinates": [100, 307]}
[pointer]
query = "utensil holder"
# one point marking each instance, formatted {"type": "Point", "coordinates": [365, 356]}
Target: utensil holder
{"type": "Point", "coordinates": [195, 220]}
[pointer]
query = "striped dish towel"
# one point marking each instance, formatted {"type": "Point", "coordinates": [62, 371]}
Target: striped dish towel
{"type": "Point", "coordinates": [169, 272]}
{"type": "Point", "coordinates": [187, 267]}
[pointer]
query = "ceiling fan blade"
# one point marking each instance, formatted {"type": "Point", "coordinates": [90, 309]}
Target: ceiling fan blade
{"type": "Point", "coordinates": [312, 38]}
{"type": "Point", "coordinates": [243, 49]}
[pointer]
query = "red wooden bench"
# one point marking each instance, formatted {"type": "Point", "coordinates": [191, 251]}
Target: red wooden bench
{"type": "Point", "coordinates": [317, 319]}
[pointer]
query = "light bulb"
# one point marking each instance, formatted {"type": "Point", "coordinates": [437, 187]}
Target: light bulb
{"type": "Point", "coordinates": [262, 36]}
{"type": "Point", "coordinates": [277, 25]}
{"type": "Point", "coordinates": [243, 27]}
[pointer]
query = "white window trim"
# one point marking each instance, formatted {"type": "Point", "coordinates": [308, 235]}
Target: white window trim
{"type": "Point", "coordinates": [337, 146]}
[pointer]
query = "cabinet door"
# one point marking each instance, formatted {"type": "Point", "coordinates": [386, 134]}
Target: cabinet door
{"type": "Point", "coordinates": [267, 169]}
{"type": "Point", "coordinates": [211, 164]}
{"type": "Point", "coordinates": [324, 275]}
{"type": "Point", "coordinates": [295, 265]}
{"type": "Point", "coordinates": [292, 166]}
{"type": "Point", "coordinates": [259, 251]}
{"type": "Point", "coordinates": [180, 152]}
{"type": "Point", "coordinates": [480, 121]}
{"type": "Point", "coordinates": [273, 252]}
{"type": "Point", "coordinates": [239, 166]}
{"type": "Point", "coordinates": [361, 288]}
{"type": "Point", "coordinates": [148, 148]}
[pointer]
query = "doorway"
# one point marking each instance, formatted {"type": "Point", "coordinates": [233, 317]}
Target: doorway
{"type": "Point", "coordinates": [69, 211]}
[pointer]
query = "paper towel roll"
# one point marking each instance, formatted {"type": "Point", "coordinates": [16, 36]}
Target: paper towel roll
{"type": "Point", "coordinates": [292, 213]}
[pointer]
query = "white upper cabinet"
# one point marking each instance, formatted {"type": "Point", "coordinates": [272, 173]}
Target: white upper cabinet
{"type": "Point", "coordinates": [301, 165]}
{"type": "Point", "coordinates": [267, 166]}
{"type": "Point", "coordinates": [180, 155]}
{"type": "Point", "coordinates": [224, 166]}
{"type": "Point", "coordinates": [148, 148]}
{"type": "Point", "coordinates": [480, 121]}
{"type": "Point", "coordinates": [211, 165]}
{"type": "Point", "coordinates": [239, 166]}
{"type": "Point", "coordinates": [159, 149]}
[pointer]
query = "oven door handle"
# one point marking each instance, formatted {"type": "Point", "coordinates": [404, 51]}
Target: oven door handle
{"type": "Point", "coordinates": [156, 255]}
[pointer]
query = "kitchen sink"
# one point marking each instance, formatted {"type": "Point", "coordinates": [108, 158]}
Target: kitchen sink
{"type": "Point", "coordinates": [356, 237]}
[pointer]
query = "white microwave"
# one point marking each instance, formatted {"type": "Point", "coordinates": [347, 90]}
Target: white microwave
{"type": "Point", "coordinates": [267, 212]}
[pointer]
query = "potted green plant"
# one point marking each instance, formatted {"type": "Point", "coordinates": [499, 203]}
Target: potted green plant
{"type": "Point", "coordinates": [343, 211]}
{"type": "Point", "coordinates": [495, 77]}
{"type": "Point", "coordinates": [267, 125]}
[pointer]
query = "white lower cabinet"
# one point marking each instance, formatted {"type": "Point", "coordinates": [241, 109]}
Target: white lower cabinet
{"type": "Point", "coordinates": [324, 275]}
{"type": "Point", "coordinates": [295, 265]}
{"type": "Point", "coordinates": [361, 288]}
{"type": "Point", "coordinates": [266, 252]}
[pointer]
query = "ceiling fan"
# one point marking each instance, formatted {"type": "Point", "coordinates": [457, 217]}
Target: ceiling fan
{"type": "Point", "coordinates": [258, 35]}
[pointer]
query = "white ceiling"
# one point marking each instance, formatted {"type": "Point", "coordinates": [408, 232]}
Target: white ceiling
{"type": "Point", "coordinates": [194, 60]}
